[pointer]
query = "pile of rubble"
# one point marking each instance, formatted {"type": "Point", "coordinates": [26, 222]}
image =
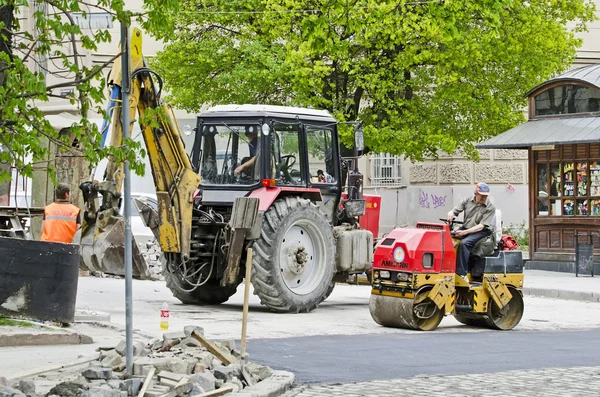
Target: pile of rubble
{"type": "Point", "coordinates": [182, 364]}
{"type": "Point", "coordinates": [152, 255]}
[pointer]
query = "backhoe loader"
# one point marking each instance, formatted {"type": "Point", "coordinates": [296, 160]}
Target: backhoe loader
{"type": "Point", "coordinates": [270, 177]}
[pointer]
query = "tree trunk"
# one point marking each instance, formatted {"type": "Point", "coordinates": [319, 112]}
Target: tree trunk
{"type": "Point", "coordinates": [7, 18]}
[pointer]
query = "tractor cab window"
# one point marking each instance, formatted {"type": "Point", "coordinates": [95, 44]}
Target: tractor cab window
{"type": "Point", "coordinates": [320, 155]}
{"type": "Point", "coordinates": [230, 154]}
{"type": "Point", "coordinates": [285, 150]}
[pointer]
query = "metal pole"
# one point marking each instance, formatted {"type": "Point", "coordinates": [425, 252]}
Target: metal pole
{"type": "Point", "coordinates": [127, 208]}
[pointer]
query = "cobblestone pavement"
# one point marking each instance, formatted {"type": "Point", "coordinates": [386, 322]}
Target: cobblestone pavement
{"type": "Point", "coordinates": [553, 382]}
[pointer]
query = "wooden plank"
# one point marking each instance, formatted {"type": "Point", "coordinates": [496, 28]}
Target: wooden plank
{"type": "Point", "coordinates": [219, 392]}
{"type": "Point", "coordinates": [146, 382]}
{"type": "Point", "coordinates": [226, 359]}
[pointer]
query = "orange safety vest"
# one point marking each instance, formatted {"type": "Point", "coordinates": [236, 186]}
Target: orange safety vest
{"type": "Point", "coordinates": [60, 222]}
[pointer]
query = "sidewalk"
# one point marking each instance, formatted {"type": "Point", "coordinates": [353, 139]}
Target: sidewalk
{"type": "Point", "coordinates": [562, 286]}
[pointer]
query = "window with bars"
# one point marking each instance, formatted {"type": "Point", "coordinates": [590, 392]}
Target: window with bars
{"type": "Point", "coordinates": [386, 170]}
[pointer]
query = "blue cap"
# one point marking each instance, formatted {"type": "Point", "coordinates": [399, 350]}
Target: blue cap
{"type": "Point", "coordinates": [482, 188]}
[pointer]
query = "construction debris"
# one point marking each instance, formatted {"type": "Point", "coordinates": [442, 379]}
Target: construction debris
{"type": "Point", "coordinates": [182, 364]}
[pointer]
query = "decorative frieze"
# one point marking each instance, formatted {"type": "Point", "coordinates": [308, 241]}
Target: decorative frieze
{"type": "Point", "coordinates": [510, 154]}
{"type": "Point", "coordinates": [455, 173]}
{"type": "Point", "coordinates": [500, 173]}
{"type": "Point", "coordinates": [423, 173]}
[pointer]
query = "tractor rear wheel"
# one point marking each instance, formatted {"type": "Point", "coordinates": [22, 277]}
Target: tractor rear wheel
{"type": "Point", "coordinates": [210, 293]}
{"type": "Point", "coordinates": [294, 259]}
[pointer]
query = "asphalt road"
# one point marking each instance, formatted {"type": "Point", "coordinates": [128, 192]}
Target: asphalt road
{"type": "Point", "coordinates": [358, 358]}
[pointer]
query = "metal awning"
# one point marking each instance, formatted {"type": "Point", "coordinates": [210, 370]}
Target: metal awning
{"type": "Point", "coordinates": [554, 131]}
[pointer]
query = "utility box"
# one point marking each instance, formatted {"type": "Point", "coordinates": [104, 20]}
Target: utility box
{"type": "Point", "coordinates": [584, 254]}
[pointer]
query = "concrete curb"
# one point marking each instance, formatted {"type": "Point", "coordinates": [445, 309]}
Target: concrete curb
{"type": "Point", "coordinates": [581, 296]}
{"type": "Point", "coordinates": [44, 338]}
{"type": "Point", "coordinates": [275, 385]}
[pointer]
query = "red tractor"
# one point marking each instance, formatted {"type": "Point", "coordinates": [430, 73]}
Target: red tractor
{"type": "Point", "coordinates": [415, 285]}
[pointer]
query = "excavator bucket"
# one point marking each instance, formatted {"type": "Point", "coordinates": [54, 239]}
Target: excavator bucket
{"type": "Point", "coordinates": [102, 249]}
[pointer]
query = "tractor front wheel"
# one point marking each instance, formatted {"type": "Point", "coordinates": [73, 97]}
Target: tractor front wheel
{"type": "Point", "coordinates": [294, 259]}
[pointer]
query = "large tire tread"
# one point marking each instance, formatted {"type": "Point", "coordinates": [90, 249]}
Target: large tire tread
{"type": "Point", "coordinates": [268, 284]}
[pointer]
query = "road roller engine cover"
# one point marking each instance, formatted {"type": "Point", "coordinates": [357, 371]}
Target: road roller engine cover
{"type": "Point", "coordinates": [415, 285]}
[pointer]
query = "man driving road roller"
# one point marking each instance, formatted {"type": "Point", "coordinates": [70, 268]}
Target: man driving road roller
{"type": "Point", "coordinates": [479, 214]}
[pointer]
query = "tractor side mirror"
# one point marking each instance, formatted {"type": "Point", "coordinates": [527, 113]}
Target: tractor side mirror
{"type": "Point", "coordinates": [359, 138]}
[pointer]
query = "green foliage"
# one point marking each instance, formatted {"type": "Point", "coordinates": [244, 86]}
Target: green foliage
{"type": "Point", "coordinates": [422, 75]}
{"type": "Point", "coordinates": [14, 323]}
{"type": "Point", "coordinates": [56, 44]}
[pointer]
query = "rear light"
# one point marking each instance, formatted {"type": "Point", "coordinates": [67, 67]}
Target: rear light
{"type": "Point", "coordinates": [428, 260]}
{"type": "Point", "coordinates": [384, 274]}
{"type": "Point", "coordinates": [269, 182]}
{"type": "Point", "coordinates": [196, 193]}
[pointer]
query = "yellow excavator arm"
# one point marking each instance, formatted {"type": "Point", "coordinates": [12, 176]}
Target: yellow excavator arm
{"type": "Point", "coordinates": [102, 239]}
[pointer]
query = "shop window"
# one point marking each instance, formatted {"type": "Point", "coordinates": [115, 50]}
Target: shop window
{"type": "Point", "coordinates": [567, 99]}
{"type": "Point", "coordinates": [569, 187]}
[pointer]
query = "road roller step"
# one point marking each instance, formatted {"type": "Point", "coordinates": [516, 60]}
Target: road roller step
{"type": "Point", "coordinates": [463, 308]}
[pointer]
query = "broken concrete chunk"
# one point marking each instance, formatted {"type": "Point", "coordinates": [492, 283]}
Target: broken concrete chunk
{"type": "Point", "coordinates": [157, 344]}
{"type": "Point", "coordinates": [68, 389]}
{"type": "Point", "coordinates": [138, 348]}
{"type": "Point", "coordinates": [170, 375]}
{"type": "Point", "coordinates": [229, 344]}
{"type": "Point", "coordinates": [188, 329]}
{"type": "Point", "coordinates": [115, 384]}
{"type": "Point", "coordinates": [181, 366]}
{"type": "Point", "coordinates": [160, 363]}
{"type": "Point", "coordinates": [264, 372]}
{"type": "Point", "coordinates": [131, 386]}
{"type": "Point", "coordinates": [190, 342]}
{"type": "Point", "coordinates": [121, 347]}
{"type": "Point", "coordinates": [215, 362]}
{"type": "Point", "coordinates": [199, 368]}
{"type": "Point", "coordinates": [174, 335]}
{"type": "Point", "coordinates": [97, 373]}
{"type": "Point", "coordinates": [103, 392]}
{"type": "Point", "coordinates": [3, 381]}
{"type": "Point", "coordinates": [235, 387]}
{"type": "Point", "coordinates": [219, 383]}
{"type": "Point", "coordinates": [196, 389]}
{"type": "Point", "coordinates": [111, 359]}
{"type": "Point", "coordinates": [204, 380]}
{"type": "Point", "coordinates": [222, 372]}
{"type": "Point", "coordinates": [27, 386]}
{"type": "Point", "coordinates": [206, 358]}
{"type": "Point", "coordinates": [6, 391]}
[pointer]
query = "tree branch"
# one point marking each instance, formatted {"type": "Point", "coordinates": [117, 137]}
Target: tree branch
{"type": "Point", "coordinates": [97, 70]}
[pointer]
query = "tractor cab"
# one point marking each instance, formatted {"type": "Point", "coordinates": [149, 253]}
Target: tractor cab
{"type": "Point", "coordinates": [243, 148]}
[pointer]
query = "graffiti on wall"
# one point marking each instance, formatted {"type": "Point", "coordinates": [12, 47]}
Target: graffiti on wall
{"type": "Point", "coordinates": [432, 200]}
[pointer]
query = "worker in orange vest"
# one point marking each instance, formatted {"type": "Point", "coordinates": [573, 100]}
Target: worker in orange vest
{"type": "Point", "coordinates": [61, 218]}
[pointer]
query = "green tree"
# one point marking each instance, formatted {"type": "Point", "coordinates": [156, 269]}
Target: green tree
{"type": "Point", "coordinates": [54, 47]}
{"type": "Point", "coordinates": [422, 75]}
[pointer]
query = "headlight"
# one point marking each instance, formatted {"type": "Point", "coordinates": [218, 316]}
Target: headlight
{"type": "Point", "coordinates": [384, 274]}
{"type": "Point", "coordinates": [402, 276]}
{"type": "Point", "coordinates": [399, 254]}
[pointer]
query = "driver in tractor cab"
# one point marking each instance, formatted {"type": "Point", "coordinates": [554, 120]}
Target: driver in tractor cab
{"type": "Point", "coordinates": [247, 162]}
{"type": "Point", "coordinates": [478, 219]}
